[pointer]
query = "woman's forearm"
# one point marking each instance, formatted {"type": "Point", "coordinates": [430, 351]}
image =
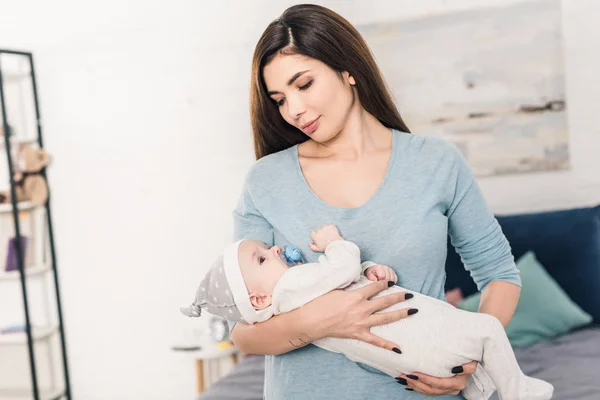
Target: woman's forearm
{"type": "Point", "coordinates": [279, 334]}
{"type": "Point", "coordinates": [500, 298]}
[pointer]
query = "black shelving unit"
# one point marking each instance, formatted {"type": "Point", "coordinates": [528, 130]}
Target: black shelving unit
{"type": "Point", "coordinates": [19, 253]}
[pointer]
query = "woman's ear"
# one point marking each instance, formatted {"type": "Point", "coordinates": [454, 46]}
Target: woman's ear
{"type": "Point", "coordinates": [349, 78]}
{"type": "Point", "coordinates": [260, 301]}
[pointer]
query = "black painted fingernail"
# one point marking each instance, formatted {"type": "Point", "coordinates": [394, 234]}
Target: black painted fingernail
{"type": "Point", "coordinates": [457, 370]}
{"type": "Point", "coordinates": [416, 378]}
{"type": "Point", "coordinates": [408, 296]}
{"type": "Point", "coordinates": [390, 283]}
{"type": "Point", "coordinates": [402, 381]}
{"type": "Point", "coordinates": [412, 311]}
{"type": "Point", "coordinates": [408, 389]}
{"type": "Point", "coordinates": [396, 350]}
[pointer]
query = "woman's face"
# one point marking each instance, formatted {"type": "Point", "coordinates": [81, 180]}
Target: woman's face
{"type": "Point", "coordinates": [310, 95]}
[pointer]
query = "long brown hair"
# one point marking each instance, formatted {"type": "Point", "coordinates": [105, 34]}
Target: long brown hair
{"type": "Point", "coordinates": [319, 33]}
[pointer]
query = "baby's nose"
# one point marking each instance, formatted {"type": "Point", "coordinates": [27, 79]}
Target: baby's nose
{"type": "Point", "coordinates": [276, 250]}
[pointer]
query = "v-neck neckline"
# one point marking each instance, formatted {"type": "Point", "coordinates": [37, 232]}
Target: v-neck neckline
{"type": "Point", "coordinates": [317, 200]}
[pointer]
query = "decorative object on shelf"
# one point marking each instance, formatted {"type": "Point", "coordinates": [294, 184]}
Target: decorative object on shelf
{"type": "Point", "coordinates": [186, 348]}
{"type": "Point", "coordinates": [13, 329]}
{"type": "Point", "coordinates": [218, 329]}
{"type": "Point", "coordinates": [2, 133]}
{"type": "Point", "coordinates": [12, 263]}
{"type": "Point", "coordinates": [30, 183]}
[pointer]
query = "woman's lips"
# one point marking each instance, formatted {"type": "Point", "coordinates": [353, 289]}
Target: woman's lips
{"type": "Point", "coordinates": [310, 128]}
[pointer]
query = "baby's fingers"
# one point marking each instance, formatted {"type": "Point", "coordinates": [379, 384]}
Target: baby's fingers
{"type": "Point", "coordinates": [371, 275]}
{"type": "Point", "coordinates": [387, 275]}
{"type": "Point", "coordinates": [314, 247]}
{"type": "Point", "coordinates": [381, 274]}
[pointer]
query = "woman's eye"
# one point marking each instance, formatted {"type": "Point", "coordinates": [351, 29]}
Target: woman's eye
{"type": "Point", "coordinates": [306, 86]}
{"type": "Point", "coordinates": [279, 103]}
{"type": "Point", "coordinates": [261, 260]}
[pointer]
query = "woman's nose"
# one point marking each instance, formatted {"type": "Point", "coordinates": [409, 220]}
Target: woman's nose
{"type": "Point", "coordinates": [295, 107]}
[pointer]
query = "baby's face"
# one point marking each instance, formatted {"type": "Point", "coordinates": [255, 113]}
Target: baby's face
{"type": "Point", "coordinates": [261, 266]}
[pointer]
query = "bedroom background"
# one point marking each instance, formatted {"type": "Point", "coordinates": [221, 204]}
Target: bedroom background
{"type": "Point", "coordinates": [145, 111]}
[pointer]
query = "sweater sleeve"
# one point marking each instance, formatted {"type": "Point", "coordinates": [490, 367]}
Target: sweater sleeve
{"type": "Point", "coordinates": [365, 266]}
{"type": "Point", "coordinates": [473, 229]}
{"type": "Point", "coordinates": [248, 222]}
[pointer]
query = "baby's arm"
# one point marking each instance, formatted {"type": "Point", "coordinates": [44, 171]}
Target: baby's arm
{"type": "Point", "coordinates": [337, 268]}
{"type": "Point", "coordinates": [340, 265]}
{"type": "Point", "coordinates": [341, 262]}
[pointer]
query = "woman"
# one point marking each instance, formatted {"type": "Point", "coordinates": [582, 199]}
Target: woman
{"type": "Point", "coordinates": [332, 148]}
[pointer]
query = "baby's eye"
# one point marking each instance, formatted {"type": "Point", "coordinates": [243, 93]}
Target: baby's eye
{"type": "Point", "coordinates": [261, 260]}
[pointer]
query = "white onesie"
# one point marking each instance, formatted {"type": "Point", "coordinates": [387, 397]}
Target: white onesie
{"type": "Point", "coordinates": [433, 341]}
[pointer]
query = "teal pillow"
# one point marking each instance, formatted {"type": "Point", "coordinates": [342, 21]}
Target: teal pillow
{"type": "Point", "coordinates": [544, 309]}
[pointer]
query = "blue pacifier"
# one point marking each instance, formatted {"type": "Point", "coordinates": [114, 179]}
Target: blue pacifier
{"type": "Point", "coordinates": [291, 256]}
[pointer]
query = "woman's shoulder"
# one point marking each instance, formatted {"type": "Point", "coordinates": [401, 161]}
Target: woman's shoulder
{"type": "Point", "coordinates": [271, 167]}
{"type": "Point", "coordinates": [427, 147]}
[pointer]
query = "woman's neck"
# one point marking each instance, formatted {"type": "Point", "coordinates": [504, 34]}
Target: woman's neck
{"type": "Point", "coordinates": [362, 134]}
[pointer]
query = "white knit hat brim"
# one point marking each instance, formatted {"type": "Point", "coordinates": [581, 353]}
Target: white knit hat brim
{"type": "Point", "coordinates": [233, 273]}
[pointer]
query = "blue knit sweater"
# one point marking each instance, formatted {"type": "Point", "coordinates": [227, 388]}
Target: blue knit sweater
{"type": "Point", "coordinates": [428, 193]}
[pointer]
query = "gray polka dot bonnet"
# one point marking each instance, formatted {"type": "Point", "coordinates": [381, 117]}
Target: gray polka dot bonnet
{"type": "Point", "coordinates": [223, 292]}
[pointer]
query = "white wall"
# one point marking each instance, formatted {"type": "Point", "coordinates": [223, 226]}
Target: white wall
{"type": "Point", "coordinates": [146, 114]}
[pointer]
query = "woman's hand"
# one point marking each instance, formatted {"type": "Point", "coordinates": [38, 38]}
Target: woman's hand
{"type": "Point", "coordinates": [432, 386]}
{"type": "Point", "coordinates": [351, 314]}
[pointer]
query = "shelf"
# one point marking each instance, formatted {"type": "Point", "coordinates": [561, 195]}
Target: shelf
{"type": "Point", "coordinates": [24, 127]}
{"type": "Point", "coordinates": [12, 77]}
{"type": "Point", "coordinates": [15, 140]}
{"type": "Point", "coordinates": [208, 352]}
{"type": "Point", "coordinates": [38, 332]}
{"type": "Point", "coordinates": [29, 272]}
{"type": "Point", "coordinates": [26, 394]}
{"type": "Point", "coordinates": [23, 206]}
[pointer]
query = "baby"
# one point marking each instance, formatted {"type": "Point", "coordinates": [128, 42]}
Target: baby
{"type": "Point", "coordinates": [251, 282]}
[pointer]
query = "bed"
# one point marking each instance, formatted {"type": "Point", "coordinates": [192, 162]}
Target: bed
{"type": "Point", "coordinates": [570, 362]}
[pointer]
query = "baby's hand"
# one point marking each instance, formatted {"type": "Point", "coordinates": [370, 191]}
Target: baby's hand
{"type": "Point", "coordinates": [322, 236]}
{"type": "Point", "coordinates": [380, 272]}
